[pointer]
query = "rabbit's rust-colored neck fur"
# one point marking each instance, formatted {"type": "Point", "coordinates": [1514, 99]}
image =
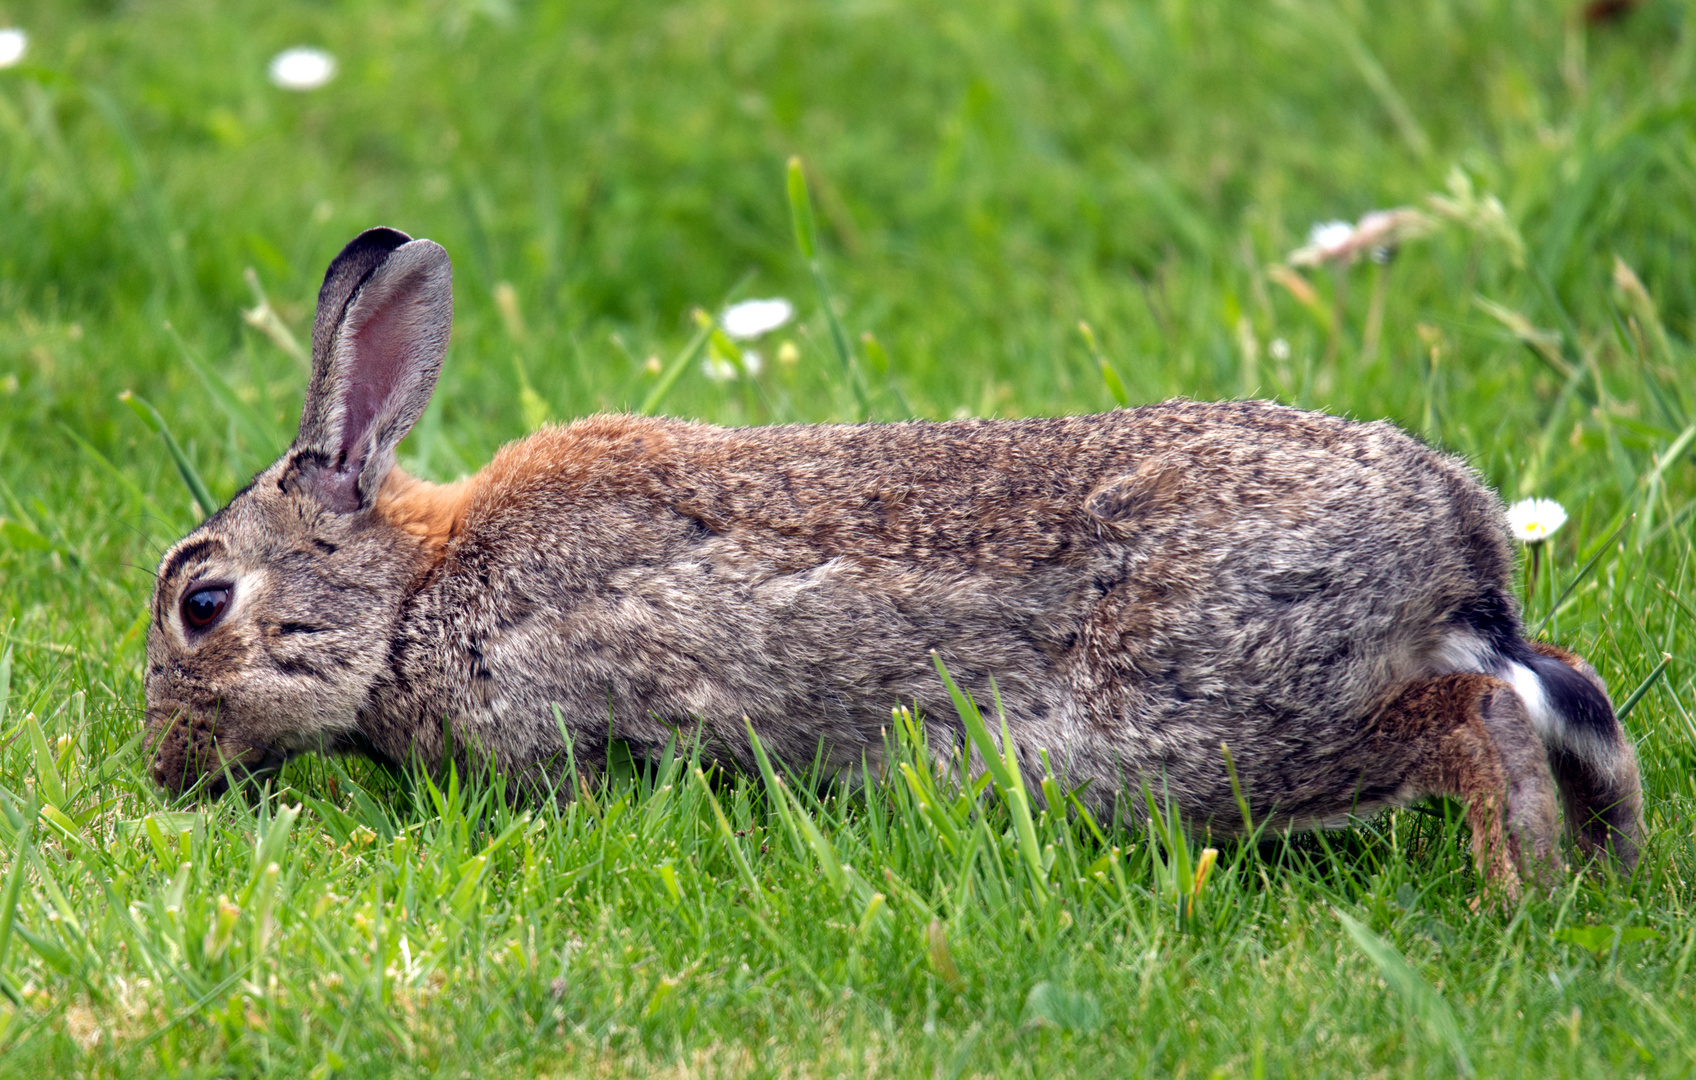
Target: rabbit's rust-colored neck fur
{"type": "Point", "coordinates": [434, 513]}
{"type": "Point", "coordinates": [571, 456]}
{"type": "Point", "coordinates": [578, 454]}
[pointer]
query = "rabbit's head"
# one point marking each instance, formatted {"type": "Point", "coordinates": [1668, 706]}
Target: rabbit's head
{"type": "Point", "coordinates": [271, 620]}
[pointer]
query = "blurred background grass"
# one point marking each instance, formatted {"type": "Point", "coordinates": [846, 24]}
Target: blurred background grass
{"type": "Point", "coordinates": [986, 175]}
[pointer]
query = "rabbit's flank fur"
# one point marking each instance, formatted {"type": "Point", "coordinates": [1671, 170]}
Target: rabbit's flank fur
{"type": "Point", "coordinates": [1329, 600]}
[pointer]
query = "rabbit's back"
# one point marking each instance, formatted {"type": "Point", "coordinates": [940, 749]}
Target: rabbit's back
{"type": "Point", "coordinates": [1142, 585]}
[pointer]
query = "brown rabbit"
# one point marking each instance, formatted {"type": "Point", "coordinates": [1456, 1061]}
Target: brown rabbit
{"type": "Point", "coordinates": [1330, 600]}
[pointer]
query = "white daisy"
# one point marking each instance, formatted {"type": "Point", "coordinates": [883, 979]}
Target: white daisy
{"type": "Point", "coordinates": [1535, 520]}
{"type": "Point", "coordinates": [302, 68]}
{"type": "Point", "coordinates": [13, 43]}
{"type": "Point", "coordinates": [752, 318]}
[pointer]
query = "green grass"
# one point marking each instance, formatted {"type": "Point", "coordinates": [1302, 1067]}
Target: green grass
{"type": "Point", "coordinates": [985, 176]}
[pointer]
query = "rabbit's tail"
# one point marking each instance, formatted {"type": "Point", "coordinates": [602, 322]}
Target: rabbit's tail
{"type": "Point", "coordinates": [1591, 758]}
{"type": "Point", "coordinates": [1589, 754]}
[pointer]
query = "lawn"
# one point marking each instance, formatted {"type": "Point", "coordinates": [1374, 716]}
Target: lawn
{"type": "Point", "coordinates": [1021, 209]}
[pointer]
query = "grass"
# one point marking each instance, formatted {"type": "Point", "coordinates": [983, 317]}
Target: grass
{"type": "Point", "coordinates": [984, 177]}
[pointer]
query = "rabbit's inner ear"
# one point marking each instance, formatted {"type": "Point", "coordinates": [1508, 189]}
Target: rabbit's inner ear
{"type": "Point", "coordinates": [373, 370]}
{"type": "Point", "coordinates": [347, 272]}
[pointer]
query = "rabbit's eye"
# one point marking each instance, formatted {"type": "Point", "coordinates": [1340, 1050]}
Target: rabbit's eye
{"type": "Point", "coordinates": [202, 607]}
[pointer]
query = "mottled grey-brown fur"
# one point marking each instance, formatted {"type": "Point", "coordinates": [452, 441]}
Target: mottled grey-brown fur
{"type": "Point", "coordinates": [1259, 594]}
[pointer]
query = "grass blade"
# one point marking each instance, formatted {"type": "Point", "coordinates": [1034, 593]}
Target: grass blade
{"type": "Point", "coordinates": [50, 784]}
{"type": "Point", "coordinates": [150, 416]}
{"type": "Point", "coordinates": [1109, 375]}
{"type": "Point", "coordinates": [264, 318]}
{"type": "Point", "coordinates": [674, 371]}
{"type": "Point", "coordinates": [1644, 687]}
{"type": "Point", "coordinates": [730, 843]}
{"type": "Point", "coordinates": [829, 863]}
{"type": "Point", "coordinates": [879, 358]}
{"type": "Point", "coordinates": [1545, 345]}
{"type": "Point", "coordinates": [1003, 770]}
{"type": "Point", "coordinates": [117, 474]}
{"type": "Point", "coordinates": [14, 884]}
{"type": "Point", "coordinates": [806, 238]}
{"type": "Point", "coordinates": [801, 209]}
{"type": "Point", "coordinates": [1426, 1003]}
{"type": "Point", "coordinates": [976, 729]}
{"type": "Point", "coordinates": [263, 437]}
{"type": "Point", "coordinates": [929, 807]}
{"type": "Point", "coordinates": [774, 793]}
{"type": "Point", "coordinates": [1578, 578]}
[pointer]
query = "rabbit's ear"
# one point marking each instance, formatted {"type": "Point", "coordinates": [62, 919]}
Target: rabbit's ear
{"type": "Point", "coordinates": [384, 314]}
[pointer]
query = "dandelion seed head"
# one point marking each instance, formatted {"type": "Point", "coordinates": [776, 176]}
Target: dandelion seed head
{"type": "Point", "coordinates": [302, 68]}
{"type": "Point", "coordinates": [752, 318]}
{"type": "Point", "coordinates": [13, 44]}
{"type": "Point", "coordinates": [1533, 521]}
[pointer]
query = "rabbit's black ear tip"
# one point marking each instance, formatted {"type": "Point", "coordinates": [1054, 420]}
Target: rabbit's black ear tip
{"type": "Point", "coordinates": [381, 238]}
{"type": "Point", "coordinates": [363, 254]}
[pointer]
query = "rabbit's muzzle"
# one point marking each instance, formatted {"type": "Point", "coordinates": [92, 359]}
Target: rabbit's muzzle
{"type": "Point", "coordinates": [190, 753]}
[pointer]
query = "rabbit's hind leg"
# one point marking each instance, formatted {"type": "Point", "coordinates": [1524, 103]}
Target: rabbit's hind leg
{"type": "Point", "coordinates": [1469, 736]}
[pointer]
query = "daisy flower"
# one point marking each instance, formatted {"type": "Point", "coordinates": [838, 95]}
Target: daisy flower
{"type": "Point", "coordinates": [302, 68]}
{"type": "Point", "coordinates": [13, 43]}
{"type": "Point", "coordinates": [752, 318]}
{"type": "Point", "coordinates": [1533, 521]}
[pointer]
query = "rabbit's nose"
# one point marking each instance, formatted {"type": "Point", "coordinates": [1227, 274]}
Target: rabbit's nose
{"type": "Point", "coordinates": [172, 728]}
{"type": "Point", "coordinates": [162, 773]}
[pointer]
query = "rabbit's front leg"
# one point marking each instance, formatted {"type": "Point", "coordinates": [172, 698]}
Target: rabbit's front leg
{"type": "Point", "coordinates": [1469, 736]}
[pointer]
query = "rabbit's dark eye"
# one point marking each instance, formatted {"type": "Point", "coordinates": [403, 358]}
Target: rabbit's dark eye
{"type": "Point", "coordinates": [202, 607]}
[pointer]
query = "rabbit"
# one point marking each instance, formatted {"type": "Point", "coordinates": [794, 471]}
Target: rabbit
{"type": "Point", "coordinates": [1327, 602]}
